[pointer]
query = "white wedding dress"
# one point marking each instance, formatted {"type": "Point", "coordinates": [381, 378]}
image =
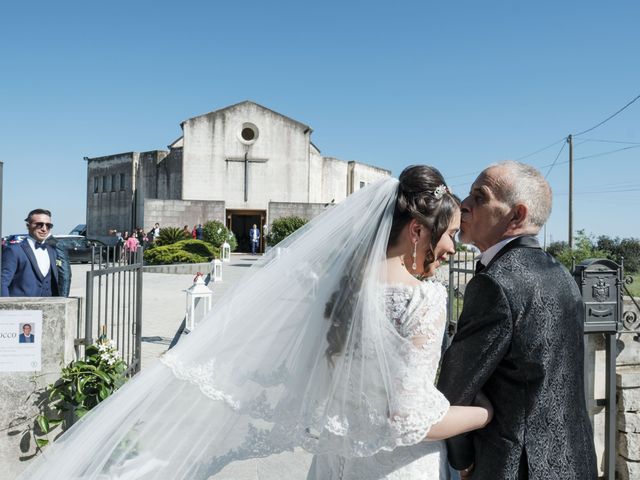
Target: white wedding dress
{"type": "Point", "coordinates": [254, 379]}
{"type": "Point", "coordinates": [418, 313]}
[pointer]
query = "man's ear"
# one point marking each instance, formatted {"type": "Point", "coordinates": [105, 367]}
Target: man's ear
{"type": "Point", "coordinates": [519, 216]}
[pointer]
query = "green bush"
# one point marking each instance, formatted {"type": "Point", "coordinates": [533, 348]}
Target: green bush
{"type": "Point", "coordinates": [604, 247]}
{"type": "Point", "coordinates": [170, 235]}
{"type": "Point", "coordinates": [583, 249]}
{"type": "Point", "coordinates": [281, 228]}
{"type": "Point", "coordinates": [216, 234]}
{"type": "Point", "coordinates": [184, 251]}
{"type": "Point", "coordinates": [83, 384]}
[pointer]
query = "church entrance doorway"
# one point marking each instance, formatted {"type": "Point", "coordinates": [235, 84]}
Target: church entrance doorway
{"type": "Point", "coordinates": [241, 221]}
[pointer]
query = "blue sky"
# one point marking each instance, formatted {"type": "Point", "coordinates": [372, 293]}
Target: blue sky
{"type": "Point", "coordinates": [457, 85]}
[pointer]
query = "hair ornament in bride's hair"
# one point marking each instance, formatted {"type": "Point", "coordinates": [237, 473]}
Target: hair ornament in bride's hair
{"type": "Point", "coordinates": [440, 190]}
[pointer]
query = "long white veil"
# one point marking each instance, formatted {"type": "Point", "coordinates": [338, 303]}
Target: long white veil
{"type": "Point", "coordinates": [254, 378]}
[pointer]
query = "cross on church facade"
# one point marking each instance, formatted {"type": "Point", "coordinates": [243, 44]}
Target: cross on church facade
{"type": "Point", "coordinates": [246, 160]}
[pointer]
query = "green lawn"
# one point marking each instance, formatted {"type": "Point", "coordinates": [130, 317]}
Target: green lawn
{"type": "Point", "coordinates": [634, 288]}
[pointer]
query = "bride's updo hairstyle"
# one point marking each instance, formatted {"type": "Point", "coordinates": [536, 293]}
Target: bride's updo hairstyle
{"type": "Point", "coordinates": [423, 195]}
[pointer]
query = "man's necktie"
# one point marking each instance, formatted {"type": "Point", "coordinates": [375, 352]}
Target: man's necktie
{"type": "Point", "coordinates": [40, 245]}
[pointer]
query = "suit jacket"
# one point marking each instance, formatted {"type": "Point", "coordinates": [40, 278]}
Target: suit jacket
{"type": "Point", "coordinates": [23, 339]}
{"type": "Point", "coordinates": [64, 266]}
{"type": "Point", "coordinates": [21, 276]}
{"type": "Point", "coordinates": [520, 340]}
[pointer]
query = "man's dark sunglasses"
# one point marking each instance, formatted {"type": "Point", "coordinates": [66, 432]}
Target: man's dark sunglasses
{"type": "Point", "coordinates": [42, 224]}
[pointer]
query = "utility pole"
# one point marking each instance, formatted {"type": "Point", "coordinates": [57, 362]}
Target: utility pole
{"type": "Point", "coordinates": [570, 142]}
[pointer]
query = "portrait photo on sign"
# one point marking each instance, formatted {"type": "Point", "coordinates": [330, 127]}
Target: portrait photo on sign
{"type": "Point", "coordinates": [27, 334]}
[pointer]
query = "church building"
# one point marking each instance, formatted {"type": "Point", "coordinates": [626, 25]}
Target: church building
{"type": "Point", "coordinates": [241, 165]}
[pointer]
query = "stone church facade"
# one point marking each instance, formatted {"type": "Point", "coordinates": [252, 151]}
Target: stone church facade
{"type": "Point", "coordinates": [241, 165]}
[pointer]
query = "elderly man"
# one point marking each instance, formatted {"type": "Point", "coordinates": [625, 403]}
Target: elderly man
{"type": "Point", "coordinates": [519, 340]}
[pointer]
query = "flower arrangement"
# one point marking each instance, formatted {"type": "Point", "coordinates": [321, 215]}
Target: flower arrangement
{"type": "Point", "coordinates": [83, 385]}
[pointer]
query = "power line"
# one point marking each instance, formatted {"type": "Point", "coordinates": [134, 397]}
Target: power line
{"type": "Point", "coordinates": [563, 139]}
{"type": "Point", "coordinates": [595, 155]}
{"type": "Point", "coordinates": [610, 141]}
{"type": "Point", "coordinates": [608, 118]}
{"type": "Point", "coordinates": [556, 159]}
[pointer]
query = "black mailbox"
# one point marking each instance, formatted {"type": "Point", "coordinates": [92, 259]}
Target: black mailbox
{"type": "Point", "coordinates": [599, 281]}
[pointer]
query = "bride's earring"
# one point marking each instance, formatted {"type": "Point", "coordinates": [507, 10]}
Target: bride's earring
{"type": "Point", "coordinates": [415, 253]}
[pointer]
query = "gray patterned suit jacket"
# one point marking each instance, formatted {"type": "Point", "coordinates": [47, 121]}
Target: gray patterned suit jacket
{"type": "Point", "coordinates": [520, 340]}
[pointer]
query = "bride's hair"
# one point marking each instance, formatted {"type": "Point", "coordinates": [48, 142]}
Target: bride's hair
{"type": "Point", "coordinates": [423, 195]}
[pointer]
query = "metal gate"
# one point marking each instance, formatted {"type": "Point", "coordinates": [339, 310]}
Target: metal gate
{"type": "Point", "coordinates": [461, 271]}
{"type": "Point", "coordinates": [114, 303]}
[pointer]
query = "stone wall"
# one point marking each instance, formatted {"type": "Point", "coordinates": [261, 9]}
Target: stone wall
{"type": "Point", "coordinates": [177, 213]}
{"type": "Point", "coordinates": [628, 384]}
{"type": "Point", "coordinates": [111, 182]}
{"type": "Point", "coordinates": [628, 393]}
{"type": "Point", "coordinates": [19, 391]}
{"type": "Point", "coordinates": [286, 209]}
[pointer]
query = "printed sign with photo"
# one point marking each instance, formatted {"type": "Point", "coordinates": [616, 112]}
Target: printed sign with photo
{"type": "Point", "coordinates": [20, 340]}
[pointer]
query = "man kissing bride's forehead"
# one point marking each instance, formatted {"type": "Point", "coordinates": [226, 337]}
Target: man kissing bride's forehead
{"type": "Point", "coordinates": [519, 339]}
{"type": "Point", "coordinates": [343, 357]}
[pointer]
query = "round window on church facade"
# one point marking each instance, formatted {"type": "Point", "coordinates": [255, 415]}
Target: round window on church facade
{"type": "Point", "coordinates": [248, 133]}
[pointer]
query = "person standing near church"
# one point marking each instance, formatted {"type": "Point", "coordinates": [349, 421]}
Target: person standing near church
{"type": "Point", "coordinates": [154, 233]}
{"type": "Point", "coordinates": [254, 238]}
{"type": "Point", "coordinates": [29, 268]}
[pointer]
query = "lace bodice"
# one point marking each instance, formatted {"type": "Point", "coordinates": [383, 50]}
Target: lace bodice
{"type": "Point", "coordinates": [417, 313]}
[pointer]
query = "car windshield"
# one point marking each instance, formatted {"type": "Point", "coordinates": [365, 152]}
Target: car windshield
{"type": "Point", "coordinates": [74, 242]}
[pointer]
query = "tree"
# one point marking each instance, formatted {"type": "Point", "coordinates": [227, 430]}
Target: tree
{"type": "Point", "coordinates": [584, 249]}
{"type": "Point", "coordinates": [216, 234]}
{"type": "Point", "coordinates": [555, 248]}
{"type": "Point", "coordinates": [282, 227]}
{"type": "Point", "coordinates": [617, 249]}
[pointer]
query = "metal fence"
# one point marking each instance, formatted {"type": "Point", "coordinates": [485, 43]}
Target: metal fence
{"type": "Point", "coordinates": [114, 303]}
{"type": "Point", "coordinates": [461, 271]}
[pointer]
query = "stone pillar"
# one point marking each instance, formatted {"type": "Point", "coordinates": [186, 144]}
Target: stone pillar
{"type": "Point", "coordinates": [628, 392]}
{"type": "Point", "coordinates": [19, 391]}
{"type": "Point", "coordinates": [628, 384]}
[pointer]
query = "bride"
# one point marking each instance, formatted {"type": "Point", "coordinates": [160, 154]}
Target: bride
{"type": "Point", "coordinates": [330, 344]}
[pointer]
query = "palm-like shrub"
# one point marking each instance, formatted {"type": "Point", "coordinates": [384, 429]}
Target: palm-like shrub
{"type": "Point", "coordinates": [170, 235]}
{"type": "Point", "coordinates": [282, 227]}
{"type": "Point", "coordinates": [216, 234]}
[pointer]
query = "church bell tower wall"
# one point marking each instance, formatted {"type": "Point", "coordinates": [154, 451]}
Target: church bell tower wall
{"type": "Point", "coordinates": [111, 184]}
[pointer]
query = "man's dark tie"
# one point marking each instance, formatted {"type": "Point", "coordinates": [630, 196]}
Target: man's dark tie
{"type": "Point", "coordinates": [479, 267]}
{"type": "Point", "coordinates": [41, 245]}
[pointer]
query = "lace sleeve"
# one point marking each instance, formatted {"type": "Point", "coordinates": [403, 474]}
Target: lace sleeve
{"type": "Point", "coordinates": [419, 403]}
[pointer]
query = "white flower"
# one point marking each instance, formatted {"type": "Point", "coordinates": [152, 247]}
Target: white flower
{"type": "Point", "coordinates": [105, 356]}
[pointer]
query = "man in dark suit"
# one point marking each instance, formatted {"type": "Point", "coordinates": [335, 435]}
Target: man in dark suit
{"type": "Point", "coordinates": [29, 267]}
{"type": "Point", "coordinates": [25, 336]}
{"type": "Point", "coordinates": [519, 340]}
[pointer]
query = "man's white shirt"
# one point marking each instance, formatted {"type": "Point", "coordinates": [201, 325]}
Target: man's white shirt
{"type": "Point", "coordinates": [486, 256]}
{"type": "Point", "coordinates": [42, 257]}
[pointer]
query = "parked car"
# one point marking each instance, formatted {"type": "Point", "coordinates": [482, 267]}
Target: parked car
{"type": "Point", "coordinates": [15, 238]}
{"type": "Point", "coordinates": [79, 248]}
{"type": "Point", "coordinates": [80, 229]}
